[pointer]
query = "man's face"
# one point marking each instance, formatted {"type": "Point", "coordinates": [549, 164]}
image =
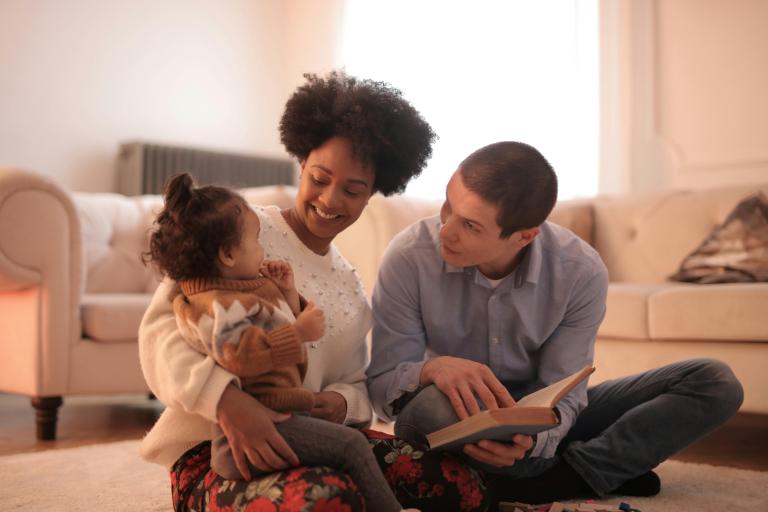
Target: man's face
{"type": "Point", "coordinates": [469, 235]}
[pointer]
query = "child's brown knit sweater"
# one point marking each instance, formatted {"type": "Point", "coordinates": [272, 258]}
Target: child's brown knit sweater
{"type": "Point", "coordinates": [245, 325]}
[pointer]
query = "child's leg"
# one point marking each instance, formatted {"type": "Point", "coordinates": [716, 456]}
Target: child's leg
{"type": "Point", "coordinates": [222, 461]}
{"type": "Point", "coordinates": [322, 443]}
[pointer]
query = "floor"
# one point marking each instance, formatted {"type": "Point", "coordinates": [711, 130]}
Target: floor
{"type": "Point", "coordinates": [741, 443]}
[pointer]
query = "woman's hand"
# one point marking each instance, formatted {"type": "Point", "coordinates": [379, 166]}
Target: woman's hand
{"type": "Point", "coordinates": [330, 406]}
{"type": "Point", "coordinates": [500, 454]}
{"type": "Point", "coordinates": [250, 430]}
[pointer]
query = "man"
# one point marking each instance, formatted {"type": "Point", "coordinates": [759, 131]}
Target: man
{"type": "Point", "coordinates": [488, 302]}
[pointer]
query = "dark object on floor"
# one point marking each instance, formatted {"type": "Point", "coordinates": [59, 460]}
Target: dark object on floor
{"type": "Point", "coordinates": [561, 482]}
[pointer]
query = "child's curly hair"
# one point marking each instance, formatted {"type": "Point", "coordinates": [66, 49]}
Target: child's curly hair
{"type": "Point", "coordinates": [384, 129]}
{"type": "Point", "coordinates": [193, 225]}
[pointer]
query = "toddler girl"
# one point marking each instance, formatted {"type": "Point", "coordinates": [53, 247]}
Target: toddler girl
{"type": "Point", "coordinates": [247, 315]}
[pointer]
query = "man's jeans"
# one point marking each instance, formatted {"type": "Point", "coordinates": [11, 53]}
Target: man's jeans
{"type": "Point", "coordinates": [629, 426]}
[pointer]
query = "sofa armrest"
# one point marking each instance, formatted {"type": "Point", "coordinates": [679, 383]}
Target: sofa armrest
{"type": "Point", "coordinates": [40, 268]}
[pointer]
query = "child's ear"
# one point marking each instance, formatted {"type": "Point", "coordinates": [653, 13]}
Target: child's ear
{"type": "Point", "coordinates": [225, 257]}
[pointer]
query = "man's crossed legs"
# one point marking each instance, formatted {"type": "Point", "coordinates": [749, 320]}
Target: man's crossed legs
{"type": "Point", "coordinates": [629, 426]}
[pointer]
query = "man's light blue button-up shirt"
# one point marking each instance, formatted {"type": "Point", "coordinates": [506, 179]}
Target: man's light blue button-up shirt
{"type": "Point", "coordinates": [536, 327]}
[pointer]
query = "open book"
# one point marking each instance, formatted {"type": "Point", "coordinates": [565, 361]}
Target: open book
{"type": "Point", "coordinates": [531, 414]}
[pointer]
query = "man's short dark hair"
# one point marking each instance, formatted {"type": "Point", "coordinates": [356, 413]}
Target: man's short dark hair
{"type": "Point", "coordinates": [515, 178]}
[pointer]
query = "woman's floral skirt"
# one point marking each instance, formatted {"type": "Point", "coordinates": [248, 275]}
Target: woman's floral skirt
{"type": "Point", "coordinates": [430, 481]}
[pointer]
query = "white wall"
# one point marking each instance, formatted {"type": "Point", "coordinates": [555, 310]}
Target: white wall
{"type": "Point", "coordinates": [314, 34]}
{"type": "Point", "coordinates": [80, 76]}
{"type": "Point", "coordinates": [713, 90]}
{"type": "Point", "coordinates": [684, 94]}
{"type": "Point", "coordinates": [683, 83]}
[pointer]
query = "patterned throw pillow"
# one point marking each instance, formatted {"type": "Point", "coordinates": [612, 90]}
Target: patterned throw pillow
{"type": "Point", "coordinates": [736, 251]}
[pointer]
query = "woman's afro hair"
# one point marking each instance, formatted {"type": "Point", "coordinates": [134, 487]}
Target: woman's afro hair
{"type": "Point", "coordinates": [383, 128]}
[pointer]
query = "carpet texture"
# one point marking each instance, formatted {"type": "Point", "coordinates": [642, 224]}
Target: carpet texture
{"type": "Point", "coordinates": [113, 477]}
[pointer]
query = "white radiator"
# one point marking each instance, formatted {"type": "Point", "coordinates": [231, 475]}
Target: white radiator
{"type": "Point", "coordinates": [143, 168]}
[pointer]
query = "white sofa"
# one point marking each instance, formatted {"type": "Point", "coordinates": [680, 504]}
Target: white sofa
{"type": "Point", "coordinates": [73, 287]}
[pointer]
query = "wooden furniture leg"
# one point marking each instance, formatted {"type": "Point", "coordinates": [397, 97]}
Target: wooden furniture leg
{"type": "Point", "coordinates": [46, 414]}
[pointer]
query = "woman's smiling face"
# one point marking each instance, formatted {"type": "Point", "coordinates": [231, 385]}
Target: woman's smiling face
{"type": "Point", "coordinates": [334, 187]}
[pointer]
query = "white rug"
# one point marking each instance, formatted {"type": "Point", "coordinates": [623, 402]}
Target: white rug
{"type": "Point", "coordinates": [112, 477]}
{"type": "Point", "coordinates": [109, 477]}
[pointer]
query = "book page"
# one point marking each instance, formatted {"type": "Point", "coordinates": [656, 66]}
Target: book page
{"type": "Point", "coordinates": [497, 424]}
{"type": "Point", "coordinates": [550, 395]}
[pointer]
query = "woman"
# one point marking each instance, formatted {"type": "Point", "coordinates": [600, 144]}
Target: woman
{"type": "Point", "coordinates": [352, 138]}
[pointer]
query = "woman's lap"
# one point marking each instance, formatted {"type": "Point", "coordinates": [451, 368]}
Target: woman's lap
{"type": "Point", "coordinates": [196, 487]}
{"type": "Point", "coordinates": [422, 479]}
{"type": "Point", "coordinates": [428, 480]}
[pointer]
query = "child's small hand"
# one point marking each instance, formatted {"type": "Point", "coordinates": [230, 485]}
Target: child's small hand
{"type": "Point", "coordinates": [280, 272]}
{"type": "Point", "coordinates": [310, 324]}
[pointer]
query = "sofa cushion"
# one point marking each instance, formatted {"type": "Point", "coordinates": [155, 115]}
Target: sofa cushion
{"type": "Point", "coordinates": [113, 317]}
{"type": "Point", "coordinates": [626, 314]}
{"type": "Point", "coordinates": [115, 231]}
{"type": "Point", "coordinates": [677, 311]}
{"type": "Point", "coordinates": [282, 196]}
{"type": "Point", "coordinates": [729, 312]}
{"type": "Point", "coordinates": [364, 242]}
{"type": "Point", "coordinates": [736, 251]}
{"type": "Point", "coordinates": [576, 215]}
{"type": "Point", "coordinates": [644, 238]}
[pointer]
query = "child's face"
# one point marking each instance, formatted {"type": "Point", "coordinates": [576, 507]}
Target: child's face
{"type": "Point", "coordinates": [248, 254]}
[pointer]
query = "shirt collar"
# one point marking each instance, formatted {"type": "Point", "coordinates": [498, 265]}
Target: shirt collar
{"type": "Point", "coordinates": [534, 258]}
{"type": "Point", "coordinates": [450, 269]}
{"type": "Point", "coordinates": [528, 270]}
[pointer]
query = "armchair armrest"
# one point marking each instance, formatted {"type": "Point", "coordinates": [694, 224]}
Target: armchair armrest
{"type": "Point", "coordinates": [40, 268]}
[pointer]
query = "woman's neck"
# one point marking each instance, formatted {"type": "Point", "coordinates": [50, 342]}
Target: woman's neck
{"type": "Point", "coordinates": [313, 243]}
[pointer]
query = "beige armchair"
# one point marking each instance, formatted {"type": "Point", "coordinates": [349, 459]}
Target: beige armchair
{"type": "Point", "coordinates": [73, 289]}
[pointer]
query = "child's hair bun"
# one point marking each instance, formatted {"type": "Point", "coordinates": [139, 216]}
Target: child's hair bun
{"type": "Point", "coordinates": [178, 192]}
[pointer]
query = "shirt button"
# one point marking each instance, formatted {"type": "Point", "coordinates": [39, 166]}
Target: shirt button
{"type": "Point", "coordinates": [494, 340]}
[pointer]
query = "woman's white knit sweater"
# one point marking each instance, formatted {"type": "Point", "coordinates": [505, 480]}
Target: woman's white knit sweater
{"type": "Point", "coordinates": [191, 384]}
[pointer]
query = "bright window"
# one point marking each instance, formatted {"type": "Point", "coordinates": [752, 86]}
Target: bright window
{"type": "Point", "coordinates": [486, 71]}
